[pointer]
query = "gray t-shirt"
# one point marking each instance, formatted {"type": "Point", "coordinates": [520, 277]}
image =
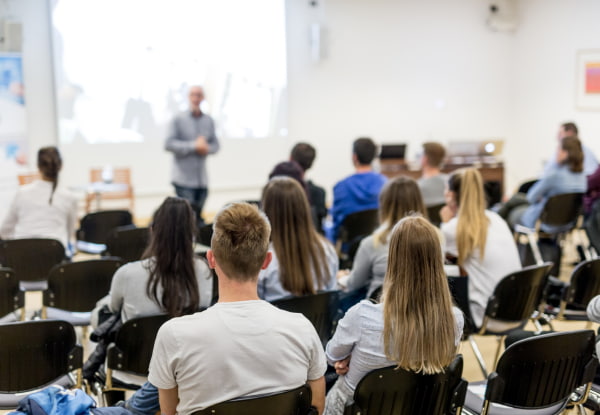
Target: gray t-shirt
{"type": "Point", "coordinates": [370, 264]}
{"type": "Point", "coordinates": [128, 289]}
{"type": "Point", "coordinates": [232, 350]}
{"type": "Point", "coordinates": [433, 189]}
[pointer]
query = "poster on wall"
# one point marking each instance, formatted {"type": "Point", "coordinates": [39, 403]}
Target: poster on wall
{"type": "Point", "coordinates": [13, 128]}
{"type": "Point", "coordinates": [588, 79]}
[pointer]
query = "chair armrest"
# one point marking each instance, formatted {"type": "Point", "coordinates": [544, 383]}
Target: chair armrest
{"type": "Point", "coordinates": [524, 229]}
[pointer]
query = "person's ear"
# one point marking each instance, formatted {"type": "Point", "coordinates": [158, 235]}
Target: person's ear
{"type": "Point", "coordinates": [267, 260]}
{"type": "Point", "coordinates": [210, 257]}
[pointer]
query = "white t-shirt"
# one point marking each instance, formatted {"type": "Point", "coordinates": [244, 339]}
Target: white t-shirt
{"type": "Point", "coordinates": [32, 216]}
{"type": "Point", "coordinates": [233, 350]}
{"type": "Point", "coordinates": [501, 258]}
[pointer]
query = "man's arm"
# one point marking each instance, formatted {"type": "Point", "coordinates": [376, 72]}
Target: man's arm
{"type": "Point", "coordinates": [176, 145]}
{"type": "Point", "coordinates": [317, 388]}
{"type": "Point", "coordinates": [169, 399]}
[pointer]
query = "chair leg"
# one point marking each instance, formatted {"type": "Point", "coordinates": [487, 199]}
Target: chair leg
{"type": "Point", "coordinates": [500, 340]}
{"type": "Point", "coordinates": [535, 249]}
{"type": "Point", "coordinates": [478, 356]}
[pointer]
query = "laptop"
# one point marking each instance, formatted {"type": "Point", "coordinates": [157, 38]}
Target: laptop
{"type": "Point", "coordinates": [392, 151]}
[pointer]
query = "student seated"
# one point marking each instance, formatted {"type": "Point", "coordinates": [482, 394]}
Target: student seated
{"type": "Point", "coordinates": [304, 262]}
{"type": "Point", "coordinates": [41, 209]}
{"type": "Point", "coordinates": [414, 327]}
{"type": "Point", "coordinates": [241, 346]}
{"type": "Point", "coordinates": [399, 197]}
{"type": "Point", "coordinates": [478, 238]}
{"type": "Point", "coordinates": [433, 182]}
{"type": "Point", "coordinates": [357, 192]}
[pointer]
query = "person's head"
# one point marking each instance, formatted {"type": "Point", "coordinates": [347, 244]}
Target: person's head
{"type": "Point", "coordinates": [363, 151]}
{"type": "Point", "coordinates": [567, 129]}
{"type": "Point", "coordinates": [171, 249]}
{"type": "Point", "coordinates": [433, 154]}
{"type": "Point", "coordinates": [49, 164]}
{"type": "Point", "coordinates": [240, 242]}
{"type": "Point", "coordinates": [289, 169]}
{"type": "Point", "coordinates": [419, 331]}
{"type": "Point", "coordinates": [297, 246]}
{"type": "Point", "coordinates": [398, 198]}
{"type": "Point", "coordinates": [196, 96]}
{"type": "Point", "coordinates": [570, 154]}
{"type": "Point", "coordinates": [304, 154]}
{"type": "Point", "coordinates": [465, 195]}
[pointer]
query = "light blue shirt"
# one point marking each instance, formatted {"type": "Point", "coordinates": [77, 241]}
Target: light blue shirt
{"type": "Point", "coordinates": [560, 181]}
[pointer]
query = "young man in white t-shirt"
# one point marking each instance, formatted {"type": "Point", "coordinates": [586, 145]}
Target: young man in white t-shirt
{"type": "Point", "coordinates": [242, 346]}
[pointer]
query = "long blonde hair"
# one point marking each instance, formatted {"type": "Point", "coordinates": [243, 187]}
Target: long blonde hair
{"type": "Point", "coordinates": [418, 321]}
{"type": "Point", "coordinates": [472, 226]}
{"type": "Point", "coordinates": [399, 197]}
{"type": "Point", "coordinates": [297, 245]}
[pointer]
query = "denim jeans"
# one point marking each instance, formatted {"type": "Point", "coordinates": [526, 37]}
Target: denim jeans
{"type": "Point", "coordinates": [196, 197]}
{"type": "Point", "coordinates": [144, 401]}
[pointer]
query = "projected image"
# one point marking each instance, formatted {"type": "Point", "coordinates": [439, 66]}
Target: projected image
{"type": "Point", "coordinates": [123, 68]}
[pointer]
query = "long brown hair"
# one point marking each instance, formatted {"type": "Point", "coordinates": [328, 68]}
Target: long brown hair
{"type": "Point", "coordinates": [574, 160]}
{"type": "Point", "coordinates": [297, 245]}
{"type": "Point", "coordinates": [49, 164]}
{"type": "Point", "coordinates": [171, 248]}
{"type": "Point", "coordinates": [418, 321]}
{"type": "Point", "coordinates": [472, 226]}
{"type": "Point", "coordinates": [399, 197]}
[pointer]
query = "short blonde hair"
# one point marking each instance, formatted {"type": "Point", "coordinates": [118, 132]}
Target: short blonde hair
{"type": "Point", "coordinates": [240, 240]}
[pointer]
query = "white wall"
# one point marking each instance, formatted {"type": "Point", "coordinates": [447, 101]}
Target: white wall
{"type": "Point", "coordinates": [387, 64]}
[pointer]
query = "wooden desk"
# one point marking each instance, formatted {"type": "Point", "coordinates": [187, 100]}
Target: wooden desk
{"type": "Point", "coordinates": [491, 173]}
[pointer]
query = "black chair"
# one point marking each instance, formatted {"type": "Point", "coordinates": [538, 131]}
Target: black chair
{"type": "Point", "coordinates": [540, 372]}
{"type": "Point", "coordinates": [320, 309]}
{"type": "Point", "coordinates": [353, 229]}
{"type": "Point", "coordinates": [583, 286]}
{"type": "Point", "coordinates": [392, 391]}
{"type": "Point", "coordinates": [94, 229]}
{"type": "Point", "coordinates": [31, 260]}
{"type": "Point", "coordinates": [512, 304]}
{"type": "Point", "coordinates": [294, 402]}
{"type": "Point", "coordinates": [560, 212]}
{"type": "Point", "coordinates": [36, 354]}
{"type": "Point", "coordinates": [130, 352]}
{"type": "Point", "coordinates": [11, 297]}
{"type": "Point", "coordinates": [127, 242]}
{"type": "Point", "coordinates": [459, 289]}
{"type": "Point", "coordinates": [75, 288]}
{"type": "Point", "coordinates": [204, 234]}
{"type": "Point", "coordinates": [433, 213]}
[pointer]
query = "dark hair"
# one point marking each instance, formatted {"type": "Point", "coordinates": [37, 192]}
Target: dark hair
{"type": "Point", "coordinates": [49, 164]}
{"type": "Point", "coordinates": [572, 146]}
{"type": "Point", "coordinates": [293, 170]}
{"type": "Point", "coordinates": [571, 128]}
{"type": "Point", "coordinates": [171, 248]}
{"type": "Point", "coordinates": [365, 149]}
{"type": "Point", "coordinates": [435, 153]}
{"type": "Point", "coordinates": [304, 154]}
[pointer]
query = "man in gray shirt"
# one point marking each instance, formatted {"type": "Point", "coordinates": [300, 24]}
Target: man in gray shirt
{"type": "Point", "coordinates": [432, 182]}
{"type": "Point", "coordinates": [191, 138]}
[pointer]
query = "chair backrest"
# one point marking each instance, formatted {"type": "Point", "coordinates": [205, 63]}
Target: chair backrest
{"type": "Point", "coordinates": [319, 308]}
{"type": "Point", "coordinates": [127, 242]}
{"type": "Point", "coordinates": [31, 259]}
{"type": "Point", "coordinates": [542, 371]}
{"type": "Point", "coordinates": [562, 210]}
{"type": "Point", "coordinates": [459, 288]}
{"type": "Point", "coordinates": [433, 213]}
{"type": "Point", "coordinates": [359, 224]}
{"type": "Point", "coordinates": [96, 226]}
{"type": "Point", "coordinates": [391, 391]}
{"type": "Point", "coordinates": [584, 285]}
{"type": "Point", "coordinates": [77, 286]}
{"type": "Point", "coordinates": [294, 402]}
{"type": "Point", "coordinates": [518, 294]}
{"type": "Point", "coordinates": [205, 233]}
{"type": "Point", "coordinates": [11, 297]}
{"type": "Point", "coordinates": [36, 353]}
{"type": "Point", "coordinates": [133, 345]}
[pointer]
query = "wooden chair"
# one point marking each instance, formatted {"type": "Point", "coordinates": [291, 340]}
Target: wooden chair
{"type": "Point", "coordinates": [27, 178]}
{"type": "Point", "coordinates": [95, 228]}
{"type": "Point", "coordinates": [393, 391]}
{"type": "Point", "coordinates": [121, 175]}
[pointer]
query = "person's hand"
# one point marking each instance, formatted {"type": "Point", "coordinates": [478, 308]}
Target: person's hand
{"type": "Point", "coordinates": [341, 366]}
{"type": "Point", "coordinates": [201, 145]}
{"type": "Point", "coordinates": [342, 273]}
{"type": "Point", "coordinates": [447, 213]}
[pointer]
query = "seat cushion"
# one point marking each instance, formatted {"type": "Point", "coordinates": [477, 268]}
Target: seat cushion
{"type": "Point", "coordinates": [475, 397]}
{"type": "Point", "coordinates": [76, 319]}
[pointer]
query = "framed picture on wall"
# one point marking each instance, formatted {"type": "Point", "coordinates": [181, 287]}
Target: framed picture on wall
{"type": "Point", "coordinates": [588, 79]}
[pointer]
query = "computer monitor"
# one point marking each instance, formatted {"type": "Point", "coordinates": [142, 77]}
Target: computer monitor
{"type": "Point", "coordinates": [392, 151]}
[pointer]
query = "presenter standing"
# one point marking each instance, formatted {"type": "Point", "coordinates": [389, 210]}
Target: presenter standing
{"type": "Point", "coordinates": [191, 138]}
